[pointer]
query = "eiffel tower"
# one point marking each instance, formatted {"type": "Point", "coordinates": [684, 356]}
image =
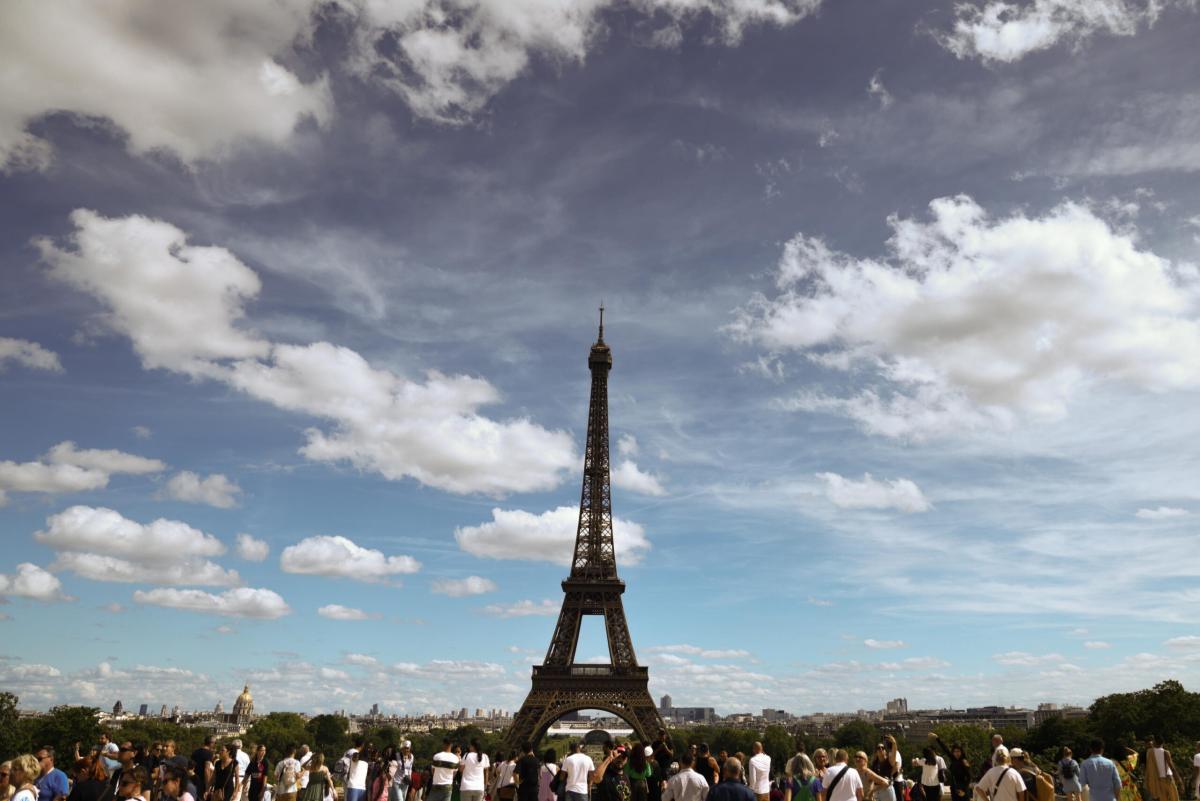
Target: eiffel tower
{"type": "Point", "coordinates": [560, 685]}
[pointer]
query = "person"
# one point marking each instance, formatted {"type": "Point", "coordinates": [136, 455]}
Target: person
{"type": "Point", "coordinates": [23, 771]}
{"type": "Point", "coordinates": [6, 787]}
{"type": "Point", "coordinates": [637, 773]}
{"type": "Point", "coordinates": [256, 773]}
{"type": "Point", "coordinates": [319, 781]}
{"type": "Point", "coordinates": [1068, 775]}
{"type": "Point", "coordinates": [134, 784]}
{"type": "Point", "coordinates": [873, 783]}
{"type": "Point", "coordinates": [730, 787]}
{"type": "Point", "coordinates": [547, 776]}
{"type": "Point", "coordinates": [474, 768]}
{"type": "Point", "coordinates": [404, 771]}
{"type": "Point", "coordinates": [202, 766]}
{"type": "Point", "coordinates": [577, 771]}
{"type": "Point", "coordinates": [1000, 782]}
{"type": "Point", "coordinates": [90, 779]}
{"type": "Point", "coordinates": [241, 759]}
{"type": "Point", "coordinates": [880, 765]}
{"type": "Point", "coordinates": [356, 772]}
{"type": "Point", "coordinates": [107, 750]}
{"type": "Point", "coordinates": [706, 766]}
{"type": "Point", "coordinates": [759, 773]}
{"type": "Point", "coordinates": [687, 784]}
{"type": "Point", "coordinates": [51, 782]}
{"type": "Point", "coordinates": [445, 763]}
{"type": "Point", "coordinates": [287, 775]}
{"type": "Point", "coordinates": [1099, 775]}
{"type": "Point", "coordinates": [1196, 773]}
{"type": "Point", "coordinates": [506, 782]}
{"type": "Point", "coordinates": [174, 784]}
{"type": "Point", "coordinates": [526, 772]}
{"type": "Point", "coordinates": [840, 782]}
{"type": "Point", "coordinates": [896, 763]}
{"type": "Point", "coordinates": [1030, 772]}
{"type": "Point", "coordinates": [1129, 784]}
{"type": "Point", "coordinates": [800, 765]}
{"type": "Point", "coordinates": [224, 781]}
{"type": "Point", "coordinates": [932, 767]}
{"type": "Point", "coordinates": [998, 747]}
{"type": "Point", "coordinates": [610, 775]}
{"type": "Point", "coordinates": [1160, 772]}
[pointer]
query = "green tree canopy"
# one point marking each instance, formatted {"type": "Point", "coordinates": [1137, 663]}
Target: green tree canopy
{"type": "Point", "coordinates": [62, 728]}
{"type": "Point", "coordinates": [277, 731]}
{"type": "Point", "coordinates": [327, 734]}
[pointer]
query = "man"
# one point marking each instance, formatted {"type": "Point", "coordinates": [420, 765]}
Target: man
{"type": "Point", "coordinates": [1029, 772]}
{"type": "Point", "coordinates": [125, 755]}
{"type": "Point", "coordinates": [998, 747]}
{"type": "Point", "coordinates": [577, 772]}
{"type": "Point", "coordinates": [759, 773]}
{"type": "Point", "coordinates": [52, 784]}
{"type": "Point", "coordinates": [1099, 776]}
{"type": "Point", "coordinates": [1160, 772]}
{"type": "Point", "coordinates": [687, 784]}
{"type": "Point", "coordinates": [303, 756]}
{"type": "Point", "coordinates": [202, 766]}
{"type": "Point", "coordinates": [1001, 782]}
{"type": "Point", "coordinates": [107, 750]}
{"type": "Point", "coordinates": [731, 789]}
{"type": "Point", "coordinates": [527, 773]}
{"type": "Point", "coordinates": [170, 757]}
{"type": "Point", "coordinates": [287, 775]}
{"type": "Point", "coordinates": [706, 766]}
{"type": "Point", "coordinates": [243, 762]}
{"type": "Point", "coordinates": [1196, 773]}
{"type": "Point", "coordinates": [840, 782]}
{"type": "Point", "coordinates": [445, 763]}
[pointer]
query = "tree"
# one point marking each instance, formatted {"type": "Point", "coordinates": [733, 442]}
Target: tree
{"type": "Point", "coordinates": [14, 738]}
{"type": "Point", "coordinates": [63, 727]}
{"type": "Point", "coordinates": [149, 731]}
{"type": "Point", "coordinates": [857, 735]}
{"type": "Point", "coordinates": [328, 734]}
{"type": "Point", "coordinates": [277, 731]}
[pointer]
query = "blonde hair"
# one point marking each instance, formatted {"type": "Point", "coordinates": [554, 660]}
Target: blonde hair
{"type": "Point", "coordinates": [28, 765]}
{"type": "Point", "coordinates": [861, 755]}
{"type": "Point", "coordinates": [841, 755]}
{"type": "Point", "coordinates": [820, 752]}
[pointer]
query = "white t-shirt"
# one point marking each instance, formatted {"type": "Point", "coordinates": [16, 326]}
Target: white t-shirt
{"type": "Point", "coordinates": [444, 776]}
{"type": "Point", "coordinates": [760, 774]}
{"type": "Point", "coordinates": [356, 777]}
{"type": "Point", "coordinates": [507, 769]}
{"type": "Point", "coordinates": [24, 795]}
{"type": "Point", "coordinates": [847, 788]}
{"type": "Point", "coordinates": [929, 770]}
{"type": "Point", "coordinates": [1010, 783]}
{"type": "Point", "coordinates": [473, 766]}
{"type": "Point", "coordinates": [304, 760]}
{"type": "Point", "coordinates": [243, 762]}
{"type": "Point", "coordinates": [577, 767]}
{"type": "Point", "coordinates": [1160, 757]}
{"type": "Point", "coordinates": [281, 771]}
{"type": "Point", "coordinates": [1196, 760]}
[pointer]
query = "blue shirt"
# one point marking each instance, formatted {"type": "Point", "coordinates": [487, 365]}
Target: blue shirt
{"type": "Point", "coordinates": [1100, 776]}
{"type": "Point", "coordinates": [730, 791]}
{"type": "Point", "coordinates": [52, 785]}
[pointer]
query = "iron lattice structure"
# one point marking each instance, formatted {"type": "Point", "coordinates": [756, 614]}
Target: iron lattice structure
{"type": "Point", "coordinates": [560, 685]}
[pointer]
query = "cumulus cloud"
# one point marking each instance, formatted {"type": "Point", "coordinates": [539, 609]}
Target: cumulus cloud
{"type": "Point", "coordinates": [31, 581]}
{"type": "Point", "coordinates": [460, 588]}
{"type": "Point", "coordinates": [246, 602]}
{"type": "Point", "coordinates": [214, 490]}
{"type": "Point", "coordinates": [627, 445]}
{"type": "Point", "coordinates": [882, 645]}
{"type": "Point", "coordinates": [546, 608]}
{"type": "Point", "coordinates": [695, 650]}
{"type": "Point", "coordinates": [877, 90]}
{"type": "Point", "coordinates": [339, 612]}
{"type": "Point", "coordinates": [1162, 513]}
{"type": "Point", "coordinates": [1187, 642]}
{"type": "Point", "coordinates": [252, 549]}
{"type": "Point", "coordinates": [1097, 645]}
{"type": "Point", "coordinates": [900, 494]}
{"type": "Point", "coordinates": [1005, 31]}
{"type": "Point", "coordinates": [548, 537]}
{"type": "Point", "coordinates": [340, 557]}
{"type": "Point", "coordinates": [26, 353]}
{"type": "Point", "coordinates": [361, 660]}
{"type": "Point", "coordinates": [975, 322]}
{"type": "Point", "coordinates": [195, 80]}
{"type": "Point", "coordinates": [103, 545]}
{"type": "Point", "coordinates": [65, 468]}
{"type": "Point", "coordinates": [181, 307]}
{"type": "Point", "coordinates": [1024, 659]}
{"type": "Point", "coordinates": [627, 475]}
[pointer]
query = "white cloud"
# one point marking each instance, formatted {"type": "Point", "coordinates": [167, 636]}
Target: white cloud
{"type": "Point", "coordinates": [549, 537]}
{"type": "Point", "coordinates": [194, 79]}
{"type": "Point", "coordinates": [900, 494]}
{"type": "Point", "coordinates": [26, 353]}
{"type": "Point", "coordinates": [97, 567]}
{"type": "Point", "coordinates": [877, 90]}
{"type": "Point", "coordinates": [252, 549]}
{"type": "Point", "coordinates": [1024, 659]}
{"type": "Point", "coordinates": [213, 490]}
{"type": "Point", "coordinates": [142, 432]}
{"type": "Point", "coordinates": [627, 445]}
{"type": "Point", "coordinates": [627, 475]}
{"type": "Point", "coordinates": [65, 468]}
{"type": "Point", "coordinates": [1187, 642]}
{"type": "Point", "coordinates": [340, 557]}
{"type": "Point", "coordinates": [880, 645]}
{"type": "Point", "coordinates": [1097, 645]}
{"type": "Point", "coordinates": [240, 602]}
{"type": "Point", "coordinates": [976, 321]}
{"type": "Point", "coordinates": [819, 601]}
{"type": "Point", "coordinates": [107, 461]}
{"type": "Point", "coordinates": [695, 650]}
{"type": "Point", "coordinates": [339, 612]}
{"type": "Point", "coordinates": [546, 608]}
{"type": "Point", "coordinates": [362, 660]}
{"type": "Point", "coordinates": [459, 588]}
{"type": "Point", "coordinates": [1161, 513]}
{"type": "Point", "coordinates": [181, 305]}
{"type": "Point", "coordinates": [31, 581]}
{"type": "Point", "coordinates": [1004, 31]}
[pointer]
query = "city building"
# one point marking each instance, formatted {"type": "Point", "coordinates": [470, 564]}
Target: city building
{"type": "Point", "coordinates": [144, 710]}
{"type": "Point", "coordinates": [664, 705]}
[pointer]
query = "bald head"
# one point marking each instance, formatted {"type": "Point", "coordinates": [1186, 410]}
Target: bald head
{"type": "Point", "coordinates": [733, 768]}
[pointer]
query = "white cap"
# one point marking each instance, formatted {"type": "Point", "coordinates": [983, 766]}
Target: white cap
{"type": "Point", "coordinates": [649, 751]}
{"type": "Point", "coordinates": [406, 744]}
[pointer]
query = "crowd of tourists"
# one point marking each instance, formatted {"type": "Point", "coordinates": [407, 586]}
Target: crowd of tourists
{"type": "Point", "coordinates": [658, 771]}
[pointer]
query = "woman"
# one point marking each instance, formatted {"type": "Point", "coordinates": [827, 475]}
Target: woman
{"type": "Point", "coordinates": [637, 773]}
{"type": "Point", "coordinates": [546, 776]}
{"type": "Point", "coordinates": [175, 785]}
{"type": "Point", "coordinates": [474, 772]}
{"type": "Point", "coordinates": [506, 784]}
{"type": "Point", "coordinates": [932, 767]}
{"type": "Point", "coordinates": [1125, 769]}
{"type": "Point", "coordinates": [257, 773]}
{"type": "Point", "coordinates": [91, 780]}
{"type": "Point", "coordinates": [6, 788]}
{"type": "Point", "coordinates": [22, 772]}
{"type": "Point", "coordinates": [896, 763]}
{"type": "Point", "coordinates": [959, 770]}
{"type": "Point", "coordinates": [382, 773]}
{"type": "Point", "coordinates": [1068, 775]}
{"type": "Point", "coordinates": [224, 775]}
{"type": "Point", "coordinates": [873, 783]}
{"type": "Point", "coordinates": [319, 781]}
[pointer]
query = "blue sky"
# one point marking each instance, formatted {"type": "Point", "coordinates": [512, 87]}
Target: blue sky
{"type": "Point", "coordinates": [903, 301]}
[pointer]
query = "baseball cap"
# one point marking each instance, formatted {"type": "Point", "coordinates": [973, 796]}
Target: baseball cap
{"type": "Point", "coordinates": [1016, 753]}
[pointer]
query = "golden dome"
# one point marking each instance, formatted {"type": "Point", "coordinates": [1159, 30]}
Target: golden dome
{"type": "Point", "coordinates": [246, 697]}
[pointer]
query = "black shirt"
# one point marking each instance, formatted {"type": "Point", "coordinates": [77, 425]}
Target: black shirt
{"type": "Point", "coordinates": [528, 772]}
{"type": "Point", "coordinates": [87, 790]}
{"type": "Point", "coordinates": [200, 757]}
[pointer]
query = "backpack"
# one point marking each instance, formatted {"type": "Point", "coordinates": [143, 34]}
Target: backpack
{"type": "Point", "coordinates": [1045, 787]}
{"type": "Point", "coordinates": [289, 773]}
{"type": "Point", "coordinates": [341, 768]}
{"type": "Point", "coordinates": [1068, 768]}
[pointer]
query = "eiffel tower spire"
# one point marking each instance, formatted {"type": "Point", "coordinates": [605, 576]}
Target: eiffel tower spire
{"type": "Point", "coordinates": [560, 685]}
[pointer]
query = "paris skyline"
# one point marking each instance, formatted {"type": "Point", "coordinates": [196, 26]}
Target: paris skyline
{"type": "Point", "coordinates": [297, 299]}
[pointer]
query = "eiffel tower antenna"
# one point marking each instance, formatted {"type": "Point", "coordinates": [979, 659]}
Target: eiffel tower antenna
{"type": "Point", "coordinates": [560, 684]}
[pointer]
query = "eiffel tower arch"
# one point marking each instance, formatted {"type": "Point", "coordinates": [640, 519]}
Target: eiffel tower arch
{"type": "Point", "coordinates": [560, 684]}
